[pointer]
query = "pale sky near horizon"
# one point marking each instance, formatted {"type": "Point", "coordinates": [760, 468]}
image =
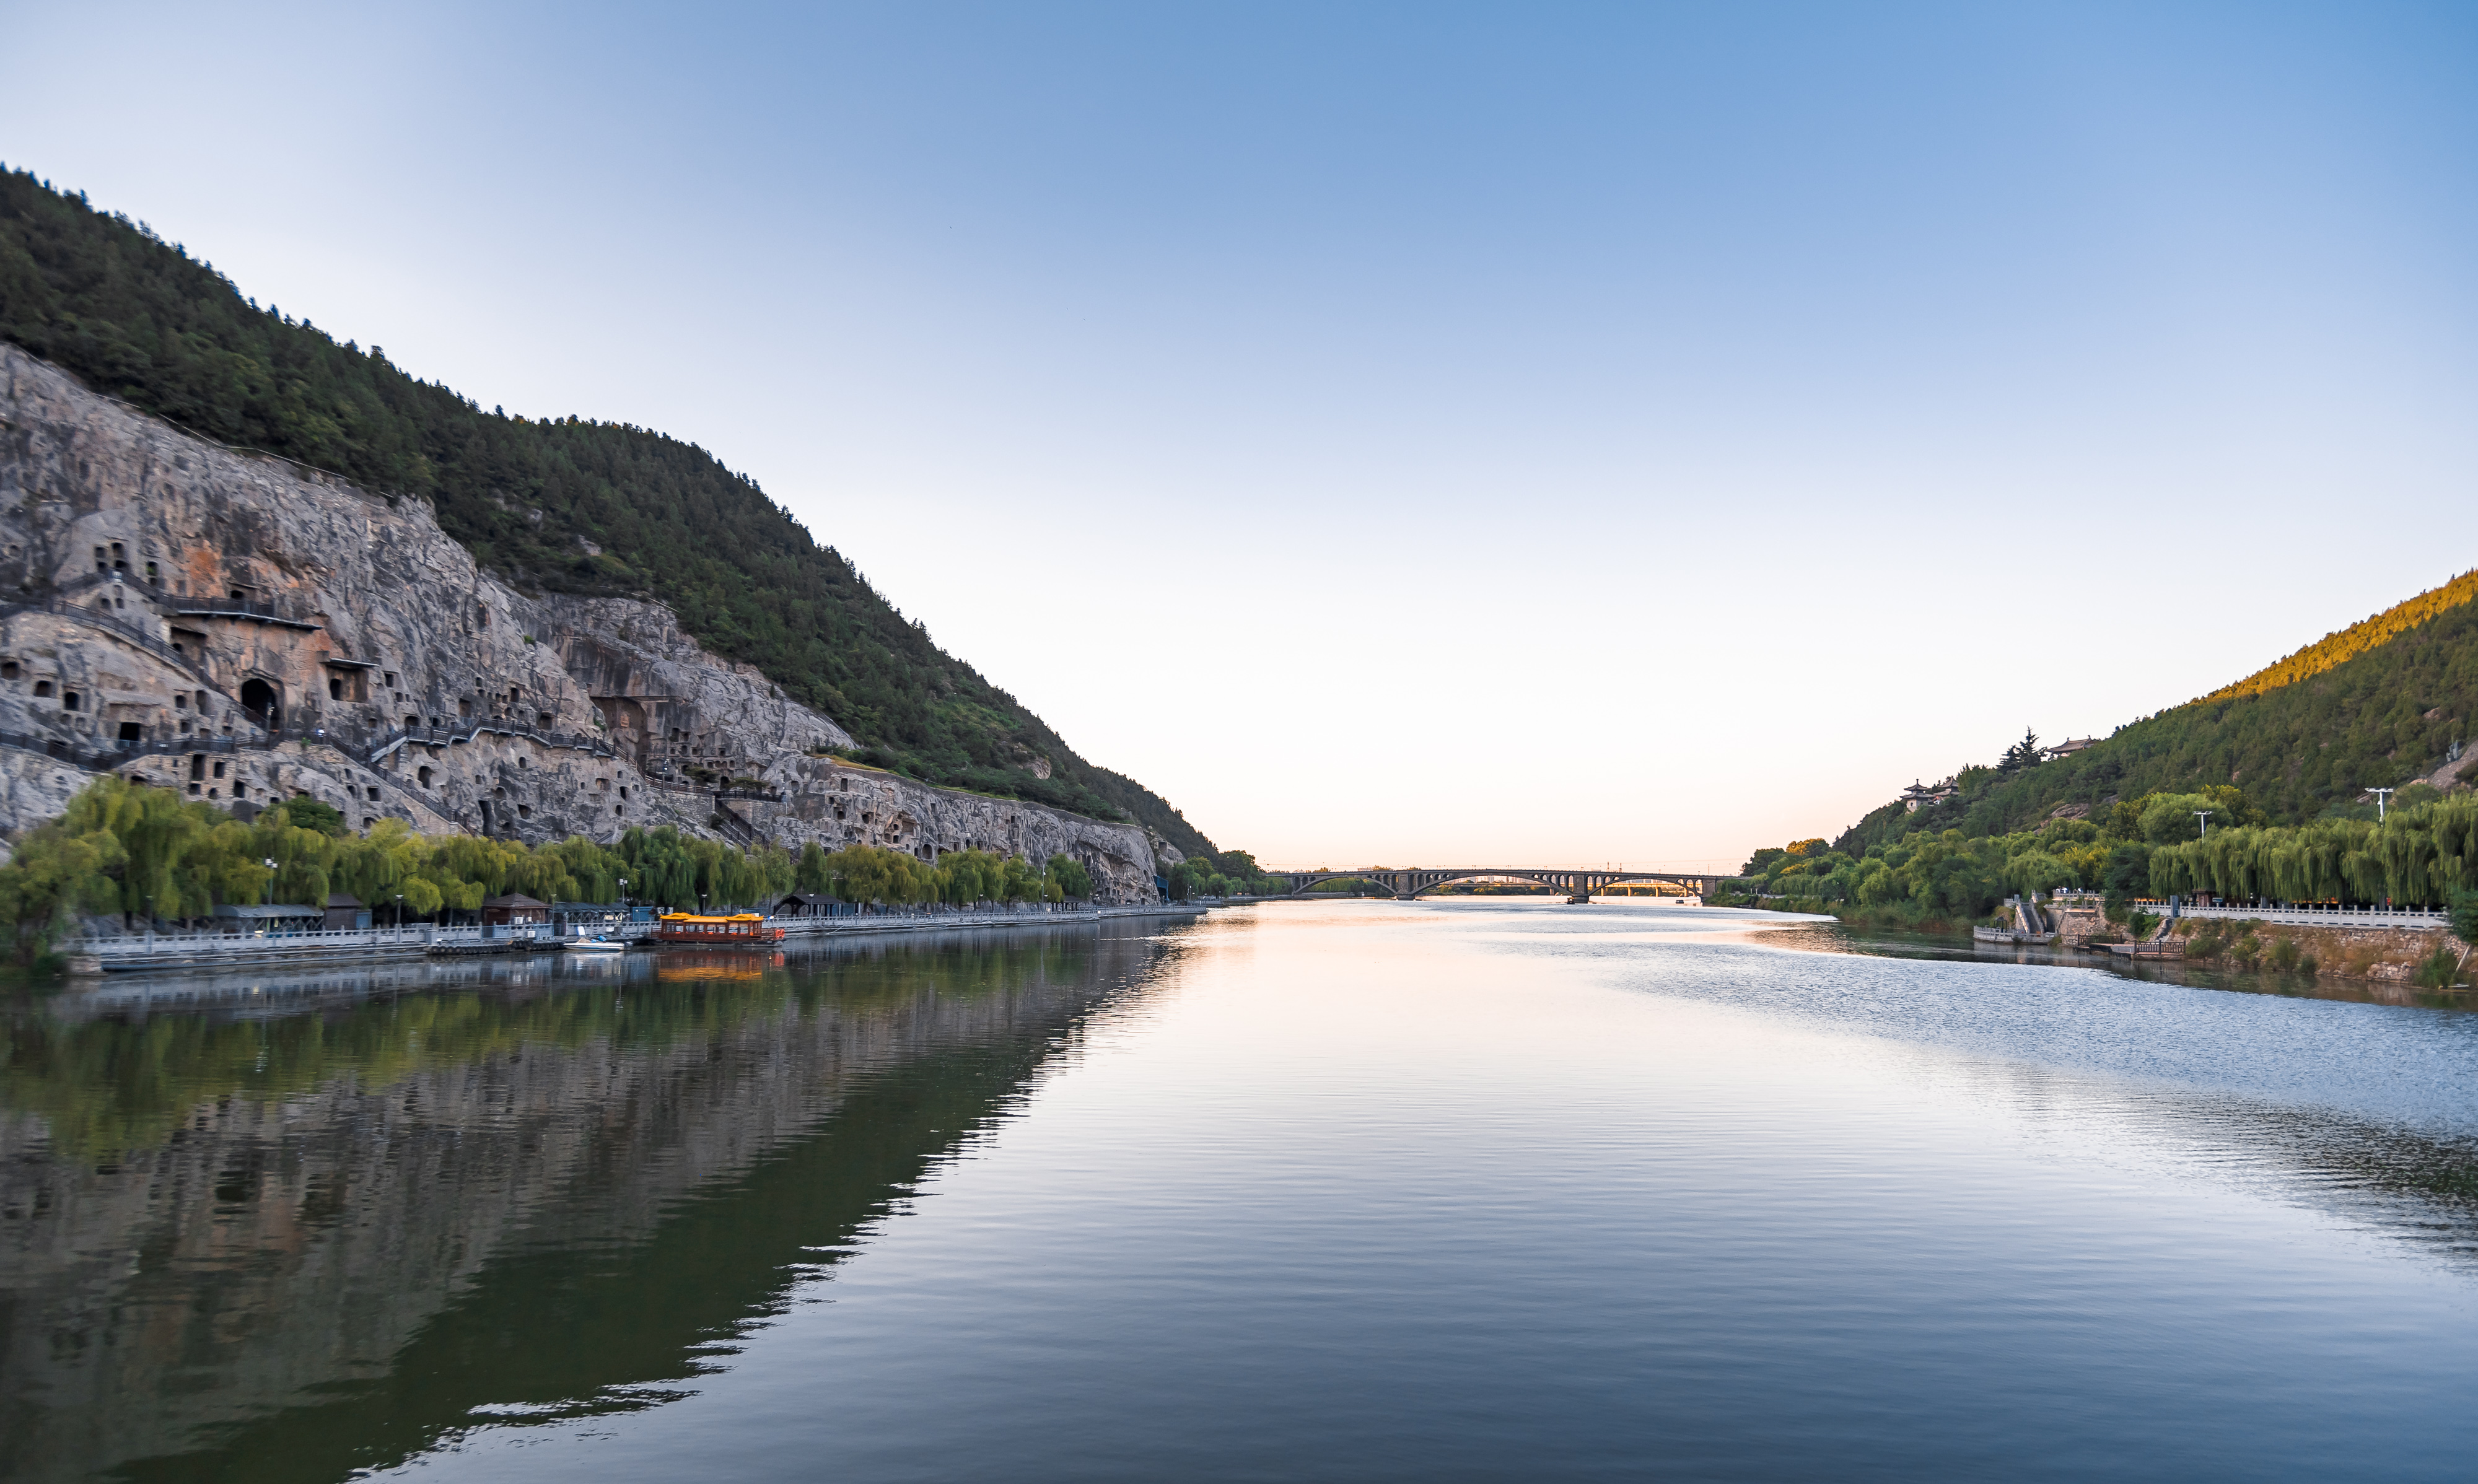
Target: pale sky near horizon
{"type": "Point", "coordinates": [1423, 433]}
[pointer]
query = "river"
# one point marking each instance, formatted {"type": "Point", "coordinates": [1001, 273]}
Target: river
{"type": "Point", "coordinates": [1479, 1189]}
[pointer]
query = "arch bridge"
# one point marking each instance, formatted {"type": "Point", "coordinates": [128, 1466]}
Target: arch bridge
{"type": "Point", "coordinates": [1578, 882]}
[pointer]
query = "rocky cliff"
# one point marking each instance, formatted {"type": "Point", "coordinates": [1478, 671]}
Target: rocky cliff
{"type": "Point", "coordinates": [241, 629]}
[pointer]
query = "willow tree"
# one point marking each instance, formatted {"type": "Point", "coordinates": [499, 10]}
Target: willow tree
{"type": "Point", "coordinates": [1069, 878]}
{"type": "Point", "coordinates": [55, 874]}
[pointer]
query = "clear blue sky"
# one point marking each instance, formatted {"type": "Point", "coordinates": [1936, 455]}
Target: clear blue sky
{"type": "Point", "coordinates": [1425, 432]}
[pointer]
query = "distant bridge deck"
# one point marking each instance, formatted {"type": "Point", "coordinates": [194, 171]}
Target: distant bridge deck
{"type": "Point", "coordinates": [1575, 881]}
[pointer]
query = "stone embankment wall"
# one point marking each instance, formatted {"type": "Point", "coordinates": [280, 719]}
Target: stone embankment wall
{"type": "Point", "coordinates": [160, 589]}
{"type": "Point", "coordinates": [2355, 952]}
{"type": "Point", "coordinates": [2079, 922]}
{"type": "Point", "coordinates": [2360, 953]}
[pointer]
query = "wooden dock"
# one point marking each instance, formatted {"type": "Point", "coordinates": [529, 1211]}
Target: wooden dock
{"type": "Point", "coordinates": [2148, 949]}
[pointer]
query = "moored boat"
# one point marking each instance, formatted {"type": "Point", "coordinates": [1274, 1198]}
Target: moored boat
{"type": "Point", "coordinates": [740, 930]}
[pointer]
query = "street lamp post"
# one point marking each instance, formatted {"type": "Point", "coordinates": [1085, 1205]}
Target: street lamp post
{"type": "Point", "coordinates": [2205, 815]}
{"type": "Point", "coordinates": [2379, 795]}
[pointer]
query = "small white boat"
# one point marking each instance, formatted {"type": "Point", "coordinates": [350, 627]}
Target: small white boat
{"type": "Point", "coordinates": [596, 944]}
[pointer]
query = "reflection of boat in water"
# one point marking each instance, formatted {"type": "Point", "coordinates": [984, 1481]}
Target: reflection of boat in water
{"type": "Point", "coordinates": [740, 930]}
{"type": "Point", "coordinates": [596, 944]}
{"type": "Point", "coordinates": [679, 967]}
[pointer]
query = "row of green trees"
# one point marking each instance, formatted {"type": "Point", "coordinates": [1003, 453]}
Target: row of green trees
{"type": "Point", "coordinates": [152, 856]}
{"type": "Point", "coordinates": [2417, 856]}
{"type": "Point", "coordinates": [564, 503]}
{"type": "Point", "coordinates": [1222, 873]}
{"type": "Point", "coordinates": [2153, 845]}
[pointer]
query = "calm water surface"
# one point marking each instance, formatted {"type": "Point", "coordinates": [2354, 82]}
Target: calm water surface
{"type": "Point", "coordinates": [1466, 1190]}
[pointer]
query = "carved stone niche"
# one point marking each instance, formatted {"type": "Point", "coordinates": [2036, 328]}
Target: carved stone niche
{"type": "Point", "coordinates": [625, 717]}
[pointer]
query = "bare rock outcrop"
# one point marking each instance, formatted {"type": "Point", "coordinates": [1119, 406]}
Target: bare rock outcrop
{"type": "Point", "coordinates": [665, 701]}
{"type": "Point", "coordinates": [240, 628]}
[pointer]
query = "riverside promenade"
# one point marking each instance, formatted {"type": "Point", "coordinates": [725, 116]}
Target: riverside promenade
{"type": "Point", "coordinates": [134, 952]}
{"type": "Point", "coordinates": [2424, 920]}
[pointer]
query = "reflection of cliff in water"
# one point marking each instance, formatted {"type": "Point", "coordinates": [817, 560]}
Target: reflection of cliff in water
{"type": "Point", "coordinates": [319, 1241]}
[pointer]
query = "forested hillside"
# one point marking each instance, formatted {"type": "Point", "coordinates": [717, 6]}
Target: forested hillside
{"type": "Point", "coordinates": [2332, 650]}
{"type": "Point", "coordinates": [2374, 706]}
{"type": "Point", "coordinates": [2277, 766]}
{"type": "Point", "coordinates": [565, 505]}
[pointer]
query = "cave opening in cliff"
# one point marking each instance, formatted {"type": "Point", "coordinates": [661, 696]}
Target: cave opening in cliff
{"type": "Point", "coordinates": [260, 699]}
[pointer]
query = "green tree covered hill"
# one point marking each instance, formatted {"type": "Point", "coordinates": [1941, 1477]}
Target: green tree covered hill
{"type": "Point", "coordinates": [139, 319]}
{"type": "Point", "coordinates": [2366, 633]}
{"type": "Point", "coordinates": [2374, 706]}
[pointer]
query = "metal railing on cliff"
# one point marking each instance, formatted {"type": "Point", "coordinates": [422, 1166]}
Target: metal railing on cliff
{"type": "Point", "coordinates": [362, 746]}
{"type": "Point", "coordinates": [60, 602]}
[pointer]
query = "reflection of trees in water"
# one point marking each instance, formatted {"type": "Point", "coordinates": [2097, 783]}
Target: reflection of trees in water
{"type": "Point", "coordinates": [521, 1193]}
{"type": "Point", "coordinates": [1832, 938]}
{"type": "Point", "coordinates": [2421, 1186]}
{"type": "Point", "coordinates": [105, 1084]}
{"type": "Point", "coordinates": [2408, 1185]}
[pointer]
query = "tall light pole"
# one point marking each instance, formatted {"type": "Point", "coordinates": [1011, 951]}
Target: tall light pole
{"type": "Point", "coordinates": [2205, 815]}
{"type": "Point", "coordinates": [2380, 794]}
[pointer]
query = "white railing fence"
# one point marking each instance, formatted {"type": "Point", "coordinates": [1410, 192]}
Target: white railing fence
{"type": "Point", "coordinates": [2306, 915]}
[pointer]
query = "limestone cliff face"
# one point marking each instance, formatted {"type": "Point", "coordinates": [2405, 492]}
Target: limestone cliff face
{"type": "Point", "coordinates": [250, 629]}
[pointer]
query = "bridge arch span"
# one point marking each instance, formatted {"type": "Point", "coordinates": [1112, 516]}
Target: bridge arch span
{"type": "Point", "coordinates": [1406, 883]}
{"type": "Point", "coordinates": [1549, 879]}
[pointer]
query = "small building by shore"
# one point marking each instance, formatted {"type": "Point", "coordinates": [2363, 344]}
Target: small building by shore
{"type": "Point", "coordinates": [277, 918]}
{"type": "Point", "coordinates": [346, 913]}
{"type": "Point", "coordinates": [515, 910]}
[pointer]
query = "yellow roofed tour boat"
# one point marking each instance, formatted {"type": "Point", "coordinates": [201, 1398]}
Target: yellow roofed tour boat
{"type": "Point", "coordinates": [740, 930]}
